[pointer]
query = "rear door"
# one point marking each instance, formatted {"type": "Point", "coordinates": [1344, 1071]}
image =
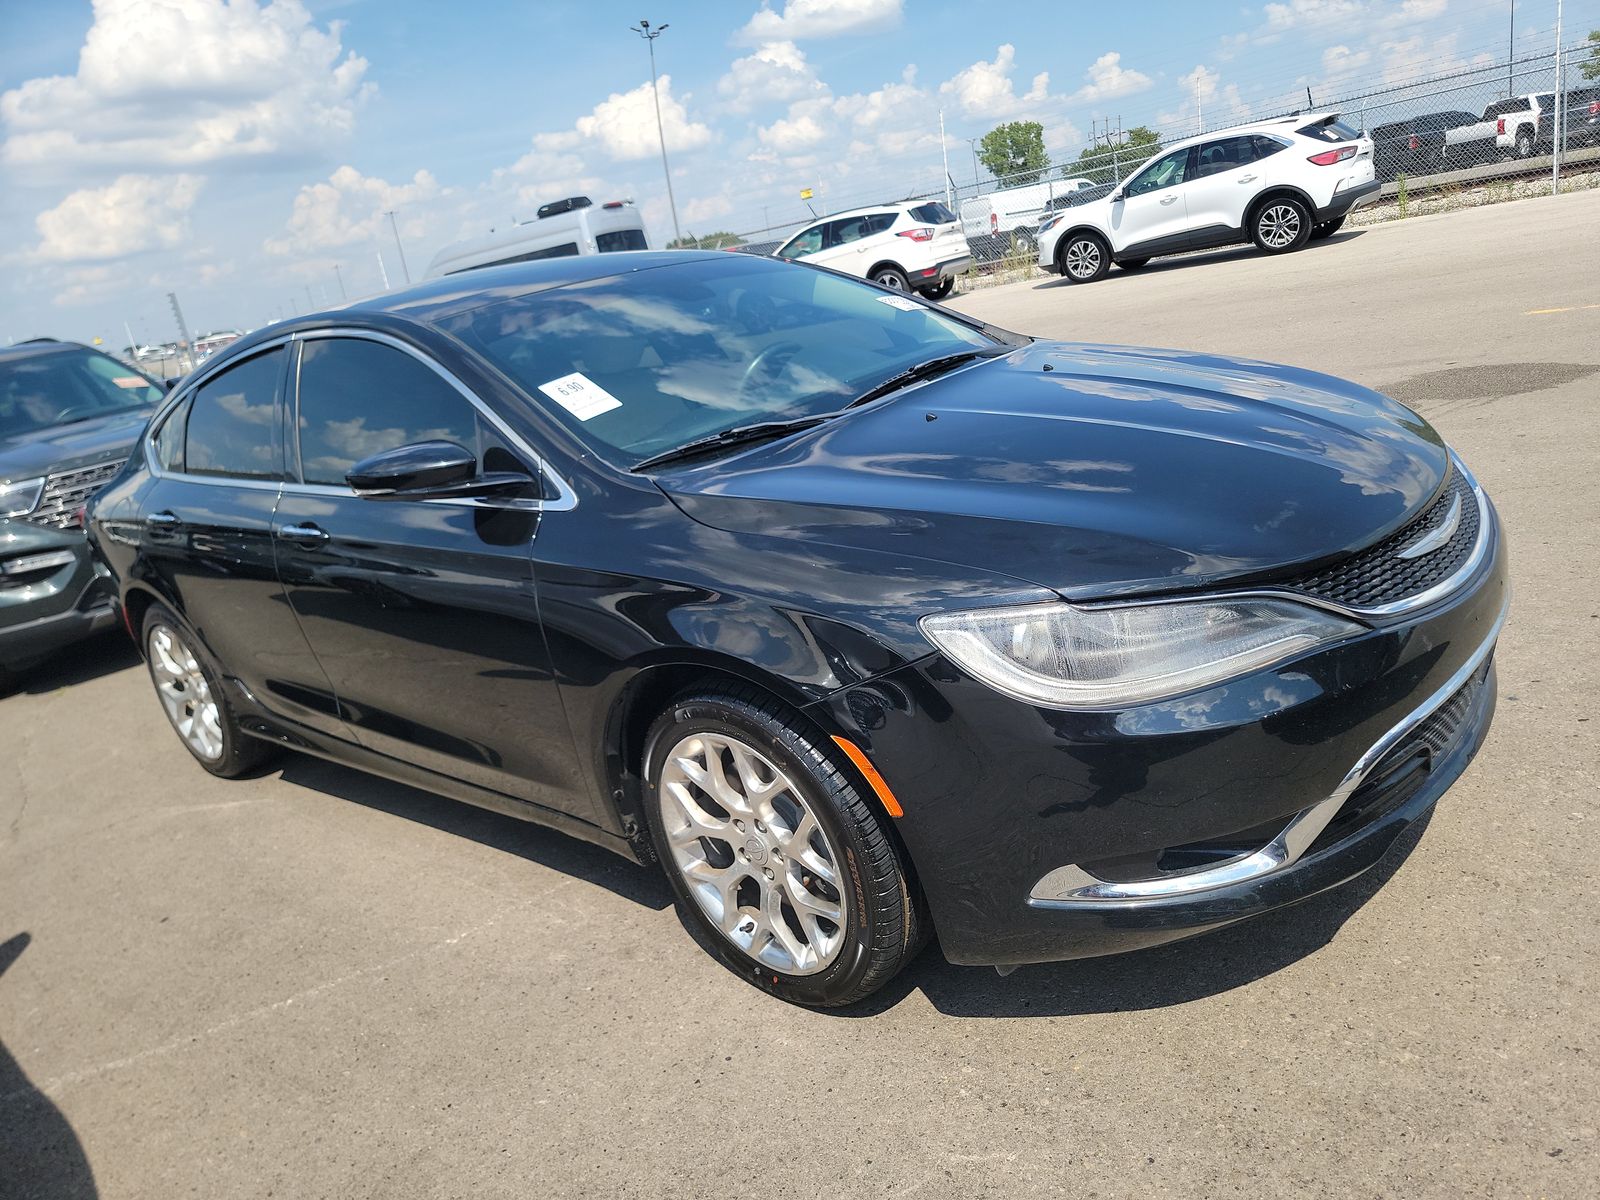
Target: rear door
{"type": "Point", "coordinates": [422, 612]}
{"type": "Point", "coordinates": [1227, 177]}
{"type": "Point", "coordinates": [207, 535]}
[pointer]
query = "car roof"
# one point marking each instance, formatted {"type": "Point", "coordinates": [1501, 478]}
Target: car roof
{"type": "Point", "coordinates": [37, 346]}
{"type": "Point", "coordinates": [1292, 122]}
{"type": "Point", "coordinates": [897, 205]}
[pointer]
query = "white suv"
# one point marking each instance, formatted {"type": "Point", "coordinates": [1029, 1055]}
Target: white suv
{"type": "Point", "coordinates": [1277, 183]}
{"type": "Point", "coordinates": [906, 247]}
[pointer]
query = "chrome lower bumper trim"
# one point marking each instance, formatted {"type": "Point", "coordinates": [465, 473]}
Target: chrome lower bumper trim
{"type": "Point", "coordinates": [1071, 885]}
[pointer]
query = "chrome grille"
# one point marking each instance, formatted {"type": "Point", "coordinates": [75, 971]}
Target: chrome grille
{"type": "Point", "coordinates": [1378, 575]}
{"type": "Point", "coordinates": [66, 492]}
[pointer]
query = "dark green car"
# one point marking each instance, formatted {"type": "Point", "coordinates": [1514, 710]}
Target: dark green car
{"type": "Point", "coordinates": [69, 416]}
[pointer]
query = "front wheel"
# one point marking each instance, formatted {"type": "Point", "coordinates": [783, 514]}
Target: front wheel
{"type": "Point", "coordinates": [1280, 225]}
{"type": "Point", "coordinates": [1327, 229]}
{"type": "Point", "coordinates": [191, 694]}
{"type": "Point", "coordinates": [1083, 258]}
{"type": "Point", "coordinates": [892, 278]}
{"type": "Point", "coordinates": [940, 290]}
{"type": "Point", "coordinates": [780, 867]}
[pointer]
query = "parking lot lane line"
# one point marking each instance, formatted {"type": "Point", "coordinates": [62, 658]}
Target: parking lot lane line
{"type": "Point", "coordinates": [1539, 312]}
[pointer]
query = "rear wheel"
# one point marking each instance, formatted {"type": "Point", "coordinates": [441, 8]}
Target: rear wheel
{"type": "Point", "coordinates": [1280, 225]}
{"type": "Point", "coordinates": [191, 694]}
{"type": "Point", "coordinates": [1524, 148]}
{"type": "Point", "coordinates": [892, 278]}
{"type": "Point", "coordinates": [940, 290]}
{"type": "Point", "coordinates": [1083, 258]}
{"type": "Point", "coordinates": [780, 867]}
{"type": "Point", "coordinates": [1132, 264]}
{"type": "Point", "coordinates": [1326, 229]}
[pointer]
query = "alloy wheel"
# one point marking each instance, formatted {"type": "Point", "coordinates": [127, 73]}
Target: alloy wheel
{"type": "Point", "coordinates": [185, 693]}
{"type": "Point", "coordinates": [1083, 258]}
{"type": "Point", "coordinates": [752, 853]}
{"type": "Point", "coordinates": [1280, 226]}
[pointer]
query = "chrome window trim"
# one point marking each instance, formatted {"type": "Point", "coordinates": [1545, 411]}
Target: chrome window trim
{"type": "Point", "coordinates": [1072, 887]}
{"type": "Point", "coordinates": [566, 499]}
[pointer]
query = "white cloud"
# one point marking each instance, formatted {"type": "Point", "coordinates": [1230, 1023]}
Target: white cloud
{"type": "Point", "coordinates": [1296, 13]}
{"type": "Point", "coordinates": [985, 90]}
{"type": "Point", "coordinates": [776, 73]}
{"type": "Point", "coordinates": [788, 134]}
{"type": "Point", "coordinates": [349, 207]}
{"type": "Point", "coordinates": [624, 125]}
{"type": "Point", "coordinates": [132, 214]}
{"type": "Point", "coordinates": [185, 83]}
{"type": "Point", "coordinates": [820, 19]}
{"type": "Point", "coordinates": [1109, 79]}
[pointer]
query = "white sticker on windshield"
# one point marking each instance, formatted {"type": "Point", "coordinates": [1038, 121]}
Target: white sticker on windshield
{"type": "Point", "coordinates": [903, 303]}
{"type": "Point", "coordinates": [130, 381]}
{"type": "Point", "coordinates": [580, 396]}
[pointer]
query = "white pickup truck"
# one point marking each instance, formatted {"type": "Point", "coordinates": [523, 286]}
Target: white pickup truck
{"type": "Point", "coordinates": [1497, 131]}
{"type": "Point", "coordinates": [1517, 132]}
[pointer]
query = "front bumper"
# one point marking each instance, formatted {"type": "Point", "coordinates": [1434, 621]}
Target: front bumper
{"type": "Point", "coordinates": [1013, 814]}
{"type": "Point", "coordinates": [61, 597]}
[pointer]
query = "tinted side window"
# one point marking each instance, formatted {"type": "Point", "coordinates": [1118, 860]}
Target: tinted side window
{"type": "Point", "coordinates": [1266, 147]}
{"type": "Point", "coordinates": [878, 223]}
{"type": "Point", "coordinates": [359, 397]}
{"type": "Point", "coordinates": [852, 229]}
{"type": "Point", "coordinates": [1225, 154]}
{"type": "Point", "coordinates": [932, 213]}
{"type": "Point", "coordinates": [233, 424]}
{"type": "Point", "coordinates": [168, 442]}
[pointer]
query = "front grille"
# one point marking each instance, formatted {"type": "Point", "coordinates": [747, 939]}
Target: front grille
{"type": "Point", "coordinates": [1377, 576]}
{"type": "Point", "coordinates": [66, 492]}
{"type": "Point", "coordinates": [1401, 773]}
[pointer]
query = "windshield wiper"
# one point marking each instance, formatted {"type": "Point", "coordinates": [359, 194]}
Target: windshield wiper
{"type": "Point", "coordinates": [923, 370]}
{"type": "Point", "coordinates": [737, 436]}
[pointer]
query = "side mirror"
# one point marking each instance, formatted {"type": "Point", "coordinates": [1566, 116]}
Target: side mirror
{"type": "Point", "coordinates": [170, 384]}
{"type": "Point", "coordinates": [1117, 197]}
{"type": "Point", "coordinates": [429, 471]}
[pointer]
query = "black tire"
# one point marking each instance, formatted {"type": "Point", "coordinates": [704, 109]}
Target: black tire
{"type": "Point", "coordinates": [1524, 144]}
{"type": "Point", "coordinates": [1327, 229]}
{"type": "Point", "coordinates": [892, 278]}
{"type": "Point", "coordinates": [1132, 264]}
{"type": "Point", "coordinates": [1280, 224]}
{"type": "Point", "coordinates": [882, 927]}
{"type": "Point", "coordinates": [238, 753]}
{"type": "Point", "coordinates": [1083, 257]}
{"type": "Point", "coordinates": [940, 290]}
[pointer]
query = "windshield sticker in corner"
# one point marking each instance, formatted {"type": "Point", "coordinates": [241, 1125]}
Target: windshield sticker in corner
{"type": "Point", "coordinates": [129, 382]}
{"type": "Point", "coordinates": [580, 396]}
{"type": "Point", "coordinates": [903, 303]}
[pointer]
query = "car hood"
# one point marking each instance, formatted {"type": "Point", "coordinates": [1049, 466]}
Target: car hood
{"type": "Point", "coordinates": [80, 444]}
{"type": "Point", "coordinates": [1093, 471]}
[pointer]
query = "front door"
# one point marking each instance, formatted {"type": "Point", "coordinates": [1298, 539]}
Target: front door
{"type": "Point", "coordinates": [1151, 217]}
{"type": "Point", "coordinates": [423, 613]}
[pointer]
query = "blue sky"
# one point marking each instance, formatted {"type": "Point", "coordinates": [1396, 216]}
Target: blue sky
{"type": "Point", "coordinates": [235, 153]}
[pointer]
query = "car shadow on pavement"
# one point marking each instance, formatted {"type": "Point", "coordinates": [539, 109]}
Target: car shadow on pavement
{"type": "Point", "coordinates": [40, 1155]}
{"type": "Point", "coordinates": [1159, 977]}
{"type": "Point", "coordinates": [536, 843]}
{"type": "Point", "coordinates": [103, 654]}
{"type": "Point", "coordinates": [1180, 262]}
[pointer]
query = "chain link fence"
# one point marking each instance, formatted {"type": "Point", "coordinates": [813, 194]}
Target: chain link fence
{"type": "Point", "coordinates": [1482, 126]}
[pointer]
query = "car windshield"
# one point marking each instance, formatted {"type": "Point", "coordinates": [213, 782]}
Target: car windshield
{"type": "Point", "coordinates": [64, 386]}
{"type": "Point", "coordinates": [644, 362]}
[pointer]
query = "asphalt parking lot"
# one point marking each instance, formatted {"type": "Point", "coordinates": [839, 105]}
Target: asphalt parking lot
{"type": "Point", "coordinates": [315, 983]}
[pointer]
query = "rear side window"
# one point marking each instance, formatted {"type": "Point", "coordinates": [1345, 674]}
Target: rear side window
{"type": "Point", "coordinates": [358, 397]}
{"type": "Point", "coordinates": [932, 213]}
{"type": "Point", "coordinates": [621, 239]}
{"type": "Point", "coordinates": [1266, 147]}
{"type": "Point", "coordinates": [1503, 107]}
{"type": "Point", "coordinates": [1224, 154]}
{"type": "Point", "coordinates": [232, 426]}
{"type": "Point", "coordinates": [1330, 131]}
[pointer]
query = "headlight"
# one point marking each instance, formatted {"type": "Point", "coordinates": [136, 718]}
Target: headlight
{"type": "Point", "coordinates": [20, 498]}
{"type": "Point", "coordinates": [1052, 222]}
{"type": "Point", "coordinates": [1061, 656]}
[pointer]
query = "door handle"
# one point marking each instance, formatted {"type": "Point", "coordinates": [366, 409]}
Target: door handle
{"type": "Point", "coordinates": [1247, 179]}
{"type": "Point", "coordinates": [307, 534]}
{"type": "Point", "coordinates": [162, 520]}
{"type": "Point", "coordinates": [1169, 199]}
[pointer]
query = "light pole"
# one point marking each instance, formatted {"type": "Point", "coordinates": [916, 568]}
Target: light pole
{"type": "Point", "coordinates": [343, 295]}
{"type": "Point", "coordinates": [973, 143]}
{"type": "Point", "coordinates": [650, 35]}
{"type": "Point", "coordinates": [396, 230]}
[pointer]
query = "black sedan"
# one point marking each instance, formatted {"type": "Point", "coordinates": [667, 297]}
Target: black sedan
{"type": "Point", "coordinates": [867, 621]}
